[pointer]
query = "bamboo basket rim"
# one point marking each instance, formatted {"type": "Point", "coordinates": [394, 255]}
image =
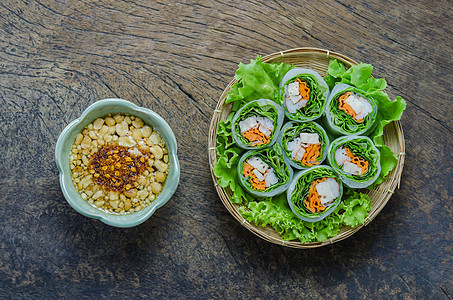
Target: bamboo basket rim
{"type": "Point", "coordinates": [380, 195]}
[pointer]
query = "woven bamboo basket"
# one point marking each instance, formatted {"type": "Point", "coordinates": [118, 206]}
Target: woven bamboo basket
{"type": "Point", "coordinates": [318, 60]}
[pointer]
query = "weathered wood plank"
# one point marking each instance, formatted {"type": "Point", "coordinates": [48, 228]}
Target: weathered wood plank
{"type": "Point", "coordinates": [59, 56]}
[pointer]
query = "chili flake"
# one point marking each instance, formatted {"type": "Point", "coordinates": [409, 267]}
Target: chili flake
{"type": "Point", "coordinates": [115, 168]}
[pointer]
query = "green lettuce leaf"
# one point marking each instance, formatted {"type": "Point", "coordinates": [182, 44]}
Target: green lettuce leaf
{"type": "Point", "coordinates": [228, 157]}
{"type": "Point", "coordinates": [355, 208]}
{"type": "Point", "coordinates": [388, 162]}
{"type": "Point", "coordinates": [257, 80]}
{"type": "Point", "coordinates": [275, 212]}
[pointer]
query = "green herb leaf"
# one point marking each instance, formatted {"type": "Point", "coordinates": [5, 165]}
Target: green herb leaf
{"type": "Point", "coordinates": [276, 213]}
{"type": "Point", "coordinates": [257, 80]}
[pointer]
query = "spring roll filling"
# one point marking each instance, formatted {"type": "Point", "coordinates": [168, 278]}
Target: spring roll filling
{"type": "Point", "coordinates": [322, 193]}
{"type": "Point", "coordinates": [305, 148]}
{"type": "Point", "coordinates": [297, 95]}
{"type": "Point", "coordinates": [261, 175]}
{"type": "Point", "coordinates": [351, 164]}
{"type": "Point", "coordinates": [354, 105]}
{"type": "Point", "coordinates": [256, 129]}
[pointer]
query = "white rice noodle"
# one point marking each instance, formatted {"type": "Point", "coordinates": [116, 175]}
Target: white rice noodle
{"type": "Point", "coordinates": [297, 98]}
{"type": "Point", "coordinates": [328, 190]}
{"type": "Point", "coordinates": [298, 153]}
{"type": "Point", "coordinates": [352, 168]}
{"type": "Point", "coordinates": [309, 138]}
{"type": "Point", "coordinates": [264, 125]}
{"type": "Point", "coordinates": [340, 156]}
{"type": "Point", "coordinates": [293, 89]}
{"type": "Point", "coordinates": [258, 164]}
{"type": "Point", "coordinates": [248, 123]}
{"type": "Point", "coordinates": [258, 175]}
{"type": "Point", "coordinates": [270, 178]}
{"type": "Point", "coordinates": [266, 122]}
{"type": "Point", "coordinates": [291, 145]}
{"type": "Point", "coordinates": [294, 107]}
{"type": "Point", "coordinates": [292, 93]}
{"type": "Point", "coordinates": [343, 160]}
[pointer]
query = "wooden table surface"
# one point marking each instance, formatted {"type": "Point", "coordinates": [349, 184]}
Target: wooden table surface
{"type": "Point", "coordinates": [176, 57]}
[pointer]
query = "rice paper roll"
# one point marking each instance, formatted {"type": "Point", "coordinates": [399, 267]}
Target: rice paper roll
{"type": "Point", "coordinates": [304, 144]}
{"type": "Point", "coordinates": [315, 193]}
{"type": "Point", "coordinates": [349, 112]}
{"type": "Point", "coordinates": [264, 172]}
{"type": "Point", "coordinates": [356, 160]}
{"type": "Point", "coordinates": [257, 124]}
{"type": "Point", "coordinates": [303, 94]}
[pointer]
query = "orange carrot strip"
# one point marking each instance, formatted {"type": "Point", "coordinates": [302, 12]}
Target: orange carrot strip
{"type": "Point", "coordinates": [311, 154]}
{"type": "Point", "coordinates": [313, 201]}
{"type": "Point", "coordinates": [362, 163]}
{"type": "Point", "coordinates": [258, 185]}
{"type": "Point", "coordinates": [254, 135]}
{"type": "Point", "coordinates": [254, 181]}
{"type": "Point", "coordinates": [346, 107]}
{"type": "Point", "coordinates": [248, 170]}
{"type": "Point", "coordinates": [304, 90]}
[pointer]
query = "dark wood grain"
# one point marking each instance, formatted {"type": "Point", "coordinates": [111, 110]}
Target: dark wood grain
{"type": "Point", "coordinates": [59, 56]}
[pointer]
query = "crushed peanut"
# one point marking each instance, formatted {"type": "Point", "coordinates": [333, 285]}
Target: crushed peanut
{"type": "Point", "coordinates": [119, 164]}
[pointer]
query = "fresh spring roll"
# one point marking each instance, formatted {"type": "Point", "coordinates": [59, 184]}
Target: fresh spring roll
{"type": "Point", "coordinates": [304, 144]}
{"type": "Point", "coordinates": [303, 94]}
{"type": "Point", "coordinates": [314, 193]}
{"type": "Point", "coordinates": [348, 112]}
{"type": "Point", "coordinates": [356, 160]}
{"type": "Point", "coordinates": [257, 124]}
{"type": "Point", "coordinates": [264, 172]}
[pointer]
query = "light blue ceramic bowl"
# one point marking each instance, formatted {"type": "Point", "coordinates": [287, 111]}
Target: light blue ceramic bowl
{"type": "Point", "coordinates": [66, 140]}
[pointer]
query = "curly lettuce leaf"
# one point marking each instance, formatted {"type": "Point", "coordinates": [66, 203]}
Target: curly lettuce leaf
{"type": "Point", "coordinates": [360, 76]}
{"type": "Point", "coordinates": [389, 111]}
{"type": "Point", "coordinates": [256, 80]}
{"type": "Point", "coordinates": [228, 158]}
{"type": "Point", "coordinates": [276, 213]}
{"type": "Point", "coordinates": [388, 163]}
{"type": "Point", "coordinates": [355, 208]}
